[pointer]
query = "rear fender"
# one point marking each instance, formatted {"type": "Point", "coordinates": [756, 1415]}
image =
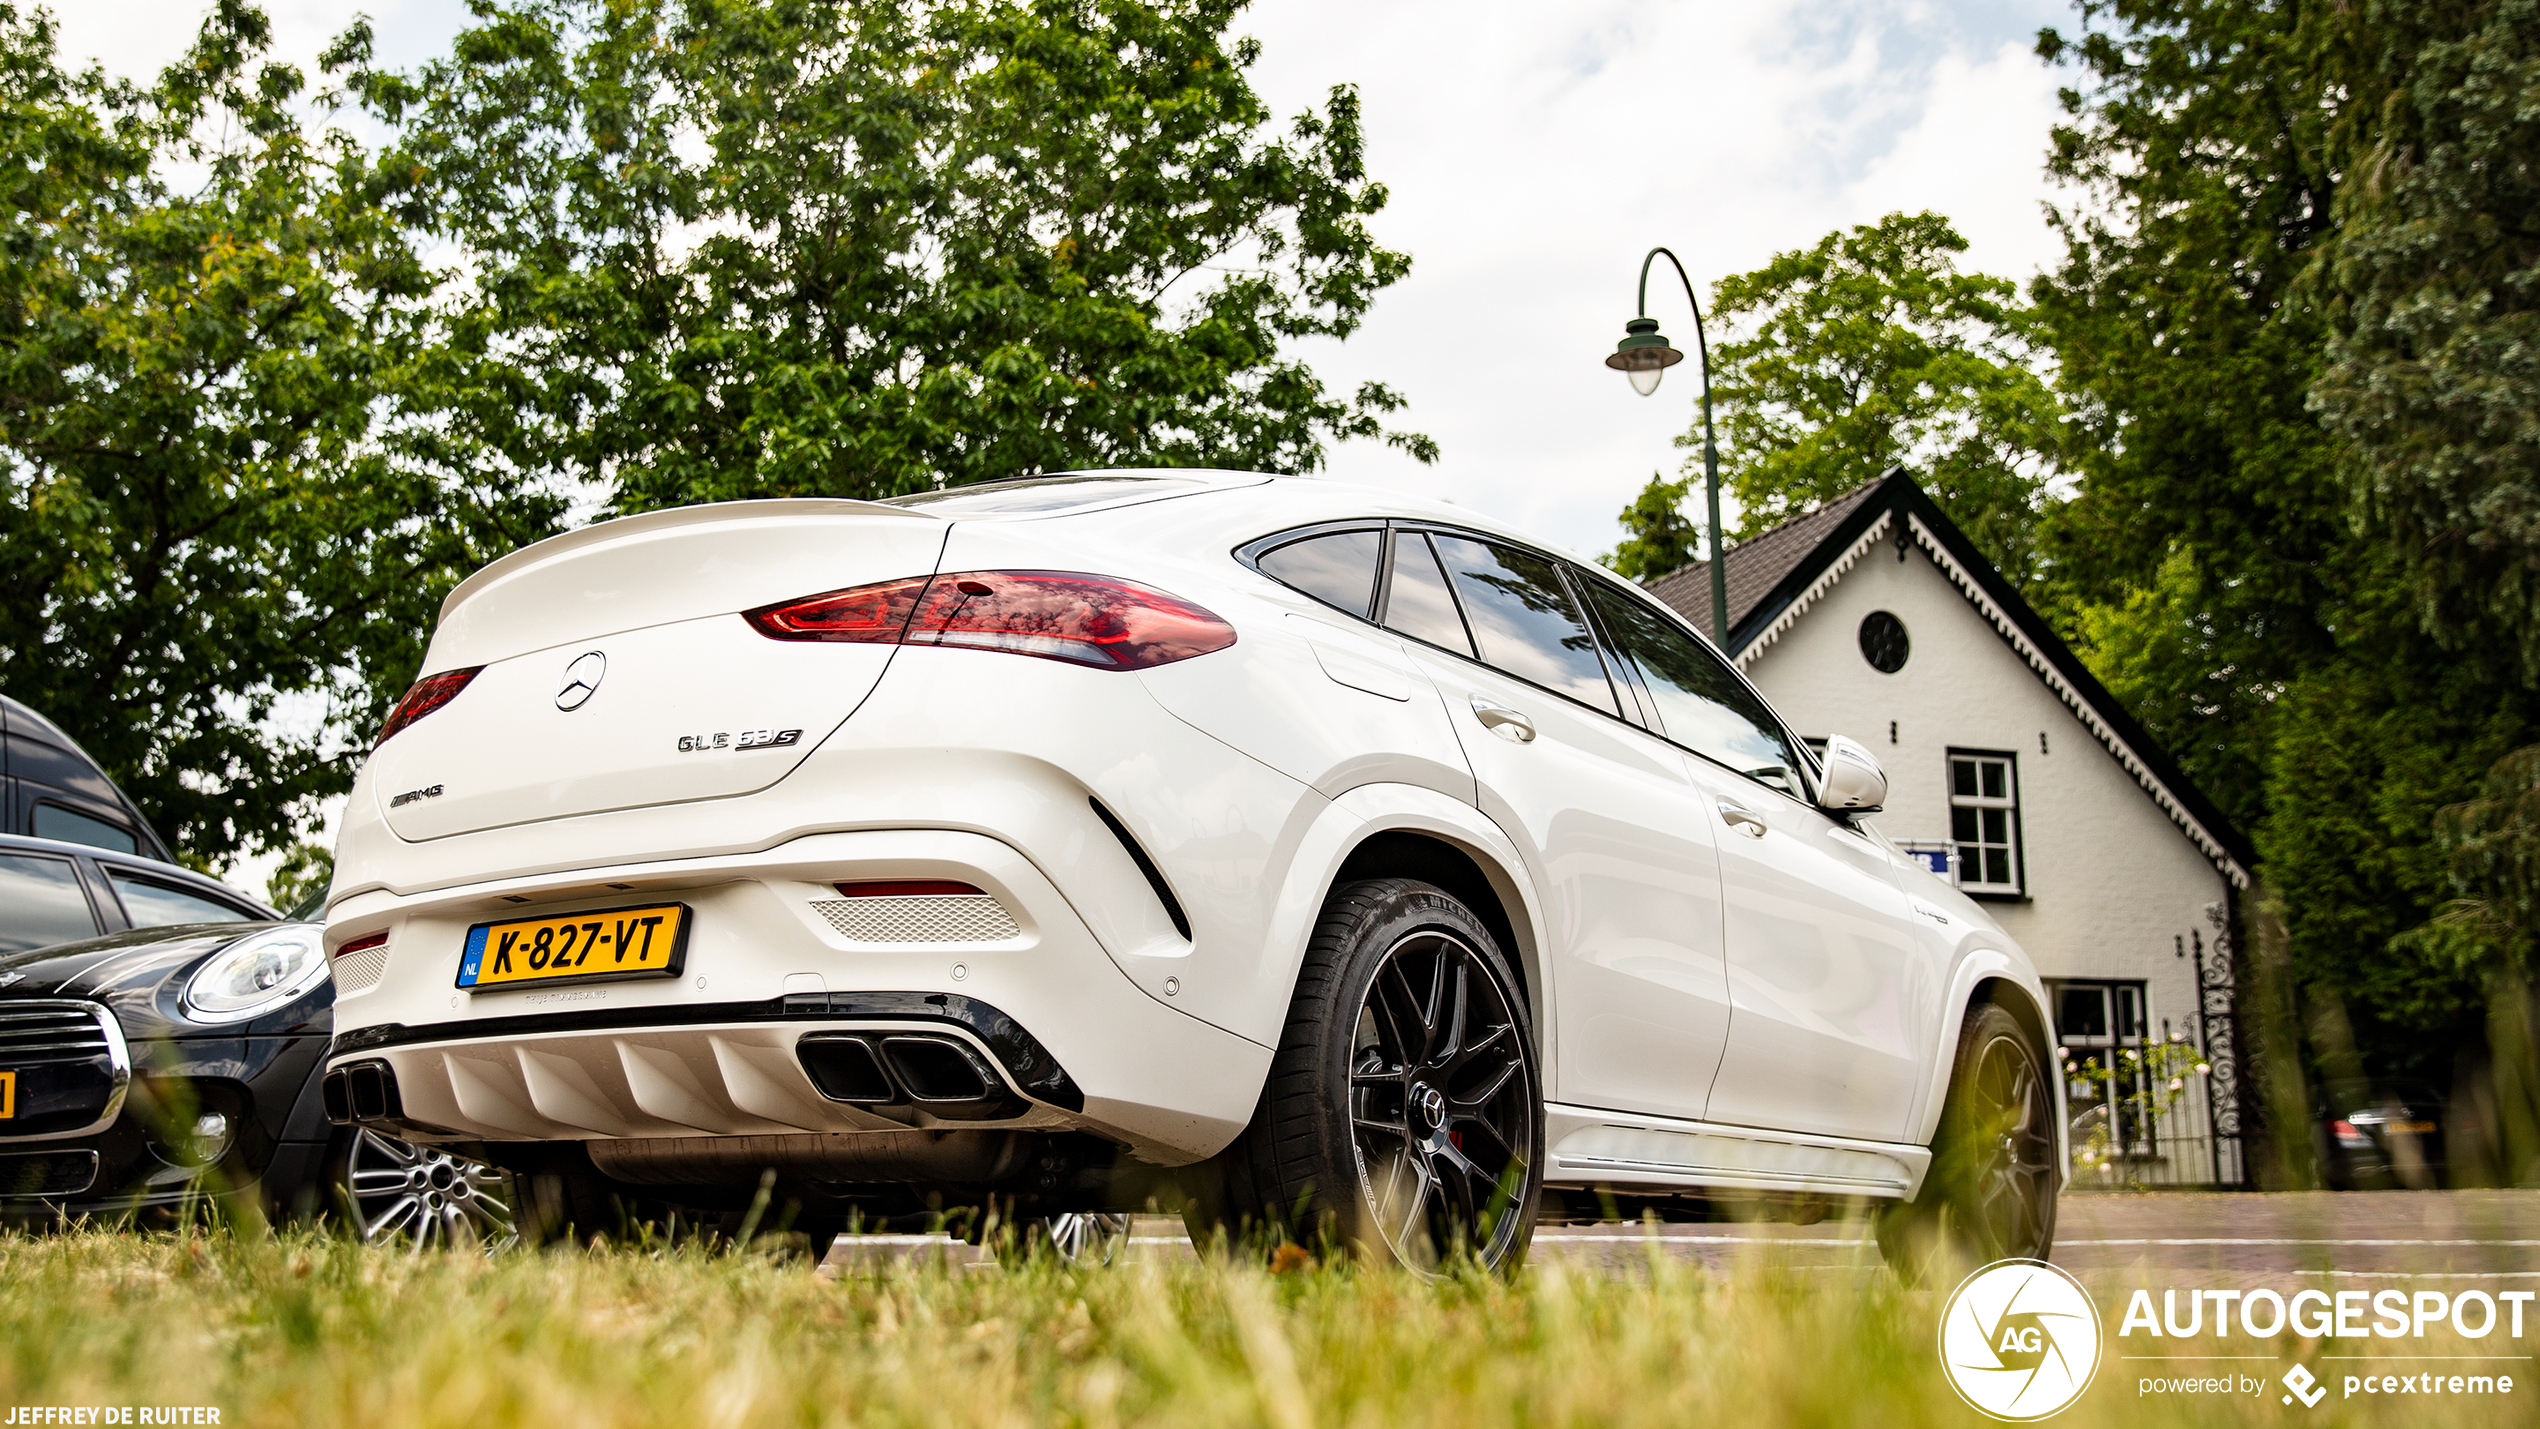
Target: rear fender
{"type": "Point", "coordinates": [1372, 809]}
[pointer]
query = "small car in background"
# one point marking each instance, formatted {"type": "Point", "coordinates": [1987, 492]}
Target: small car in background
{"type": "Point", "coordinates": [146, 1070]}
{"type": "Point", "coordinates": [161, 1033]}
{"type": "Point", "coordinates": [2379, 1135]}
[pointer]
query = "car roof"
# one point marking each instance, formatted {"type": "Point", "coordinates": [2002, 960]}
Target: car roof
{"type": "Point", "coordinates": [139, 864]}
{"type": "Point", "coordinates": [1256, 505]}
{"type": "Point", "coordinates": [18, 721]}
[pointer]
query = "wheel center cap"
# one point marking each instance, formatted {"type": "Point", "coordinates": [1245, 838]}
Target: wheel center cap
{"type": "Point", "coordinates": [1432, 1105]}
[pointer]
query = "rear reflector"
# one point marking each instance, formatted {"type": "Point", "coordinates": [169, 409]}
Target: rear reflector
{"type": "Point", "coordinates": [909, 888]}
{"type": "Point", "coordinates": [429, 693]}
{"type": "Point", "coordinates": [375, 940]}
{"type": "Point", "coordinates": [1098, 621]}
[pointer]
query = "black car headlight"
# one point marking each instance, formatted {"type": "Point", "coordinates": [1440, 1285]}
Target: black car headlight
{"type": "Point", "coordinates": [256, 974]}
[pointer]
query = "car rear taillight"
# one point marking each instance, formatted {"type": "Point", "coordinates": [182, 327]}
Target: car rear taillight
{"type": "Point", "coordinates": [357, 945]}
{"type": "Point", "coordinates": [865, 615]}
{"type": "Point", "coordinates": [429, 693]}
{"type": "Point", "coordinates": [1099, 621]}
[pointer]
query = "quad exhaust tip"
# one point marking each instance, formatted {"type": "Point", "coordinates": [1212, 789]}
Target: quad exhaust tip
{"type": "Point", "coordinates": [941, 1076]}
{"type": "Point", "coordinates": [359, 1092]}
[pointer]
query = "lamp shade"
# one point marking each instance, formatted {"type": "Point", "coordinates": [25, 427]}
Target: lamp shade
{"type": "Point", "coordinates": [1643, 355]}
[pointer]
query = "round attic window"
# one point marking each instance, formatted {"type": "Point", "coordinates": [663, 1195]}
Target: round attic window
{"type": "Point", "coordinates": [1883, 642]}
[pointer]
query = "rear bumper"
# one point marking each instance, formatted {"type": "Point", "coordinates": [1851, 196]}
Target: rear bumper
{"type": "Point", "coordinates": [779, 1011]}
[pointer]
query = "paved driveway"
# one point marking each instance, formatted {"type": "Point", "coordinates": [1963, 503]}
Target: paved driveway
{"type": "Point", "coordinates": [2187, 1238]}
{"type": "Point", "coordinates": [2184, 1239]}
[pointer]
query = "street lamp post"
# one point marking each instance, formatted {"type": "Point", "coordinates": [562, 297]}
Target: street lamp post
{"type": "Point", "coordinates": [1644, 356]}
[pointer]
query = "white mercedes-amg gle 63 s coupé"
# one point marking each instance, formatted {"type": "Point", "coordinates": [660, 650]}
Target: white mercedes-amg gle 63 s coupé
{"type": "Point", "coordinates": [1332, 864]}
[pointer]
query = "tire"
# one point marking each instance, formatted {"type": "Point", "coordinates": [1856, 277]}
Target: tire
{"type": "Point", "coordinates": [418, 1197]}
{"type": "Point", "coordinates": [558, 1208]}
{"type": "Point", "coordinates": [1403, 1114]}
{"type": "Point", "coordinates": [1990, 1192]}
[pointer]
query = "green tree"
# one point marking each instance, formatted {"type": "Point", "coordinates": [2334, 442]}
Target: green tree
{"type": "Point", "coordinates": [1871, 349]}
{"type": "Point", "coordinates": [1659, 536]}
{"type": "Point", "coordinates": [2432, 290]}
{"type": "Point", "coordinates": [736, 248]}
{"type": "Point", "coordinates": [2198, 140]}
{"type": "Point", "coordinates": [2230, 562]}
{"type": "Point", "coordinates": [233, 483]}
{"type": "Point", "coordinates": [2490, 932]}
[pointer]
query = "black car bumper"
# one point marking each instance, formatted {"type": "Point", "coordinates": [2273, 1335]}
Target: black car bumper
{"type": "Point", "coordinates": [182, 1120]}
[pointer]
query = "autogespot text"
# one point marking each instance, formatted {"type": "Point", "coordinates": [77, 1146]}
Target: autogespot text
{"type": "Point", "coordinates": [2485, 1320]}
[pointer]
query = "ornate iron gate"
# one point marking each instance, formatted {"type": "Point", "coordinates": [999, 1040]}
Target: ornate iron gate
{"type": "Point", "coordinates": [2230, 1110]}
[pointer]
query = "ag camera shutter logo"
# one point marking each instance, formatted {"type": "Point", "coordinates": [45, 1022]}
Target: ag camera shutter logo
{"type": "Point", "coordinates": [2019, 1340]}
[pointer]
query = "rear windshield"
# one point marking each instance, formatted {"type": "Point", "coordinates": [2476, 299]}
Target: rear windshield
{"type": "Point", "coordinates": [1042, 493]}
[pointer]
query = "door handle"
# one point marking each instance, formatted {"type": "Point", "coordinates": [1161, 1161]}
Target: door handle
{"type": "Point", "coordinates": [1503, 721]}
{"type": "Point", "coordinates": [1742, 818]}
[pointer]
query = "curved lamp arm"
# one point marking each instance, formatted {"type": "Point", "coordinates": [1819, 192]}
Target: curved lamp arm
{"type": "Point", "coordinates": [1710, 448]}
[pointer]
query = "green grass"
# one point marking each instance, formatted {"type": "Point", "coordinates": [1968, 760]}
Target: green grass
{"type": "Point", "coordinates": [302, 1330]}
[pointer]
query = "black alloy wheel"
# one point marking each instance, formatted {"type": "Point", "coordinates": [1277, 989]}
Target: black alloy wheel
{"type": "Point", "coordinates": [420, 1198]}
{"type": "Point", "coordinates": [1403, 1111]}
{"type": "Point", "coordinates": [1990, 1192]}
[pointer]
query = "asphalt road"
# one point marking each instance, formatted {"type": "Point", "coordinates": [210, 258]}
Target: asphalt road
{"type": "Point", "coordinates": [2454, 1238]}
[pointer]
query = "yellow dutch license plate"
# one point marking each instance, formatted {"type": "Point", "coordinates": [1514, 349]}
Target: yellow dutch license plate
{"type": "Point", "coordinates": [8, 1095]}
{"type": "Point", "coordinates": [2413, 1128]}
{"type": "Point", "coordinates": [651, 941]}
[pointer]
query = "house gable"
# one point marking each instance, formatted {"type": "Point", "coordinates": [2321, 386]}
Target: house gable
{"type": "Point", "coordinates": [1790, 571]}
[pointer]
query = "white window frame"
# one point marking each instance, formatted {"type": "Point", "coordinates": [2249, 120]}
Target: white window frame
{"type": "Point", "coordinates": [1971, 870]}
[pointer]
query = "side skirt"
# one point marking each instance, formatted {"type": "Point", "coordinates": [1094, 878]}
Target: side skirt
{"type": "Point", "coordinates": [1612, 1148]}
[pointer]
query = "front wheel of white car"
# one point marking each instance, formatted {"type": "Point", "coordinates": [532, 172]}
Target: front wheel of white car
{"type": "Point", "coordinates": [1403, 1113]}
{"type": "Point", "coordinates": [1990, 1192]}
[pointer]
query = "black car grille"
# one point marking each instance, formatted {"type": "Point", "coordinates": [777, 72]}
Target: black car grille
{"type": "Point", "coordinates": [56, 1032]}
{"type": "Point", "coordinates": [65, 1068]}
{"type": "Point", "coordinates": [42, 1173]}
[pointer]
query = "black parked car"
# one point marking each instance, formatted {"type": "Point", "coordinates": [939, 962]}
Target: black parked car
{"type": "Point", "coordinates": [2377, 1135]}
{"type": "Point", "coordinates": [161, 1034]}
{"type": "Point", "coordinates": [51, 789]}
{"type": "Point", "coordinates": [146, 1069]}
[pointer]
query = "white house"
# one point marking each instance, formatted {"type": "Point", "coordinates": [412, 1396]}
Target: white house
{"type": "Point", "coordinates": [1873, 617]}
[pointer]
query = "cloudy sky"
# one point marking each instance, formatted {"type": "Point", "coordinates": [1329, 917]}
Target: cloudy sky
{"type": "Point", "coordinates": [1534, 153]}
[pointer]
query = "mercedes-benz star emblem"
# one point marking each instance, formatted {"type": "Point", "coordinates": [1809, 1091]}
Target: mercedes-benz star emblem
{"type": "Point", "coordinates": [1432, 1105]}
{"type": "Point", "coordinates": [582, 679]}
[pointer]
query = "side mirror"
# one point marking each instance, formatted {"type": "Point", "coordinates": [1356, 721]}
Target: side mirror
{"type": "Point", "coordinates": [1854, 783]}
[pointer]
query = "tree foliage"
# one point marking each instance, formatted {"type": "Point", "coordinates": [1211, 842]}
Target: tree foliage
{"type": "Point", "coordinates": [737, 248]}
{"type": "Point", "coordinates": [1658, 536]}
{"type": "Point", "coordinates": [2431, 285]}
{"type": "Point", "coordinates": [2239, 569]}
{"type": "Point", "coordinates": [1871, 349]}
{"type": "Point", "coordinates": [233, 479]}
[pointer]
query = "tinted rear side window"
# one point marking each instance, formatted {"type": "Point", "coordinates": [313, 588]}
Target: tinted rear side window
{"type": "Point", "coordinates": [52, 821]}
{"type": "Point", "coordinates": [1701, 703]}
{"type": "Point", "coordinates": [156, 905]}
{"type": "Point", "coordinates": [1523, 619]}
{"type": "Point", "coordinates": [1338, 570]}
{"type": "Point", "coordinates": [1419, 604]}
{"type": "Point", "coordinates": [41, 903]}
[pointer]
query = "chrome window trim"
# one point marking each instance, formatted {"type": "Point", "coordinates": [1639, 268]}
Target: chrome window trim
{"type": "Point", "coordinates": [118, 1057]}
